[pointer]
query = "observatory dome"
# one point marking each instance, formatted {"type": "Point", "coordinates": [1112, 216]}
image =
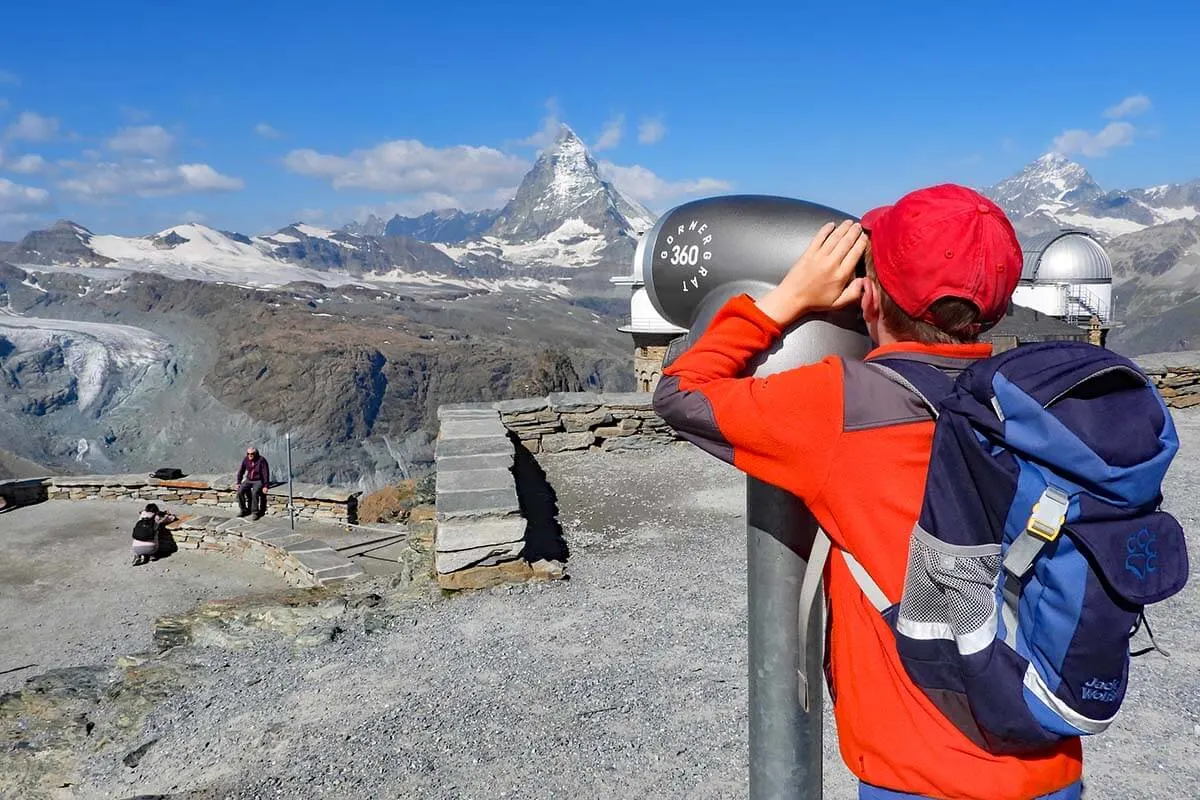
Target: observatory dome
{"type": "Point", "coordinates": [645, 319]}
{"type": "Point", "coordinates": [1067, 256]}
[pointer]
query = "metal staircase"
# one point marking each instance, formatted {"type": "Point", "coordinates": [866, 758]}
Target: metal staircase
{"type": "Point", "coordinates": [1082, 306]}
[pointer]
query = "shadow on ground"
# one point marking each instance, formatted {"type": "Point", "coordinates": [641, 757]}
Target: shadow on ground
{"type": "Point", "coordinates": [539, 505]}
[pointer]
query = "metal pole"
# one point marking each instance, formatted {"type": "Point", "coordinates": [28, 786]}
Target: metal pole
{"type": "Point", "coordinates": [785, 741]}
{"type": "Point", "coordinates": [291, 504]}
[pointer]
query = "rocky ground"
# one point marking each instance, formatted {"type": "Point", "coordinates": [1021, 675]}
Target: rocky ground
{"type": "Point", "coordinates": [628, 680]}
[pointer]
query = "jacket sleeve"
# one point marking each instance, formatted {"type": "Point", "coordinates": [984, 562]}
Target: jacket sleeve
{"type": "Point", "coordinates": [780, 429]}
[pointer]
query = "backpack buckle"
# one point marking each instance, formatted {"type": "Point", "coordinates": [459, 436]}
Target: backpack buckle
{"type": "Point", "coordinates": [1049, 514]}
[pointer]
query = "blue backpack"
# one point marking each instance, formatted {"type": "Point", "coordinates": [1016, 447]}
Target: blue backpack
{"type": "Point", "coordinates": [1040, 541]}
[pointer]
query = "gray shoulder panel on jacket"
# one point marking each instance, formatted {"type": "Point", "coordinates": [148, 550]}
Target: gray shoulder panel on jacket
{"type": "Point", "coordinates": [872, 400]}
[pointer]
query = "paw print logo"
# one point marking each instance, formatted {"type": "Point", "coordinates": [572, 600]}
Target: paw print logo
{"type": "Point", "coordinates": [1141, 558]}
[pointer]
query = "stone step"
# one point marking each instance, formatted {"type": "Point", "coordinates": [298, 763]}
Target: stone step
{"type": "Point", "coordinates": [486, 503]}
{"type": "Point", "coordinates": [454, 535]}
{"type": "Point", "coordinates": [477, 556]}
{"type": "Point", "coordinates": [476, 480]}
{"type": "Point", "coordinates": [468, 428]}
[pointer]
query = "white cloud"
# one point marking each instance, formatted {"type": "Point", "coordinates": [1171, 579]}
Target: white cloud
{"type": "Point", "coordinates": [10, 78]}
{"type": "Point", "coordinates": [410, 167]}
{"type": "Point", "coordinates": [651, 130]}
{"type": "Point", "coordinates": [1077, 141]}
{"type": "Point", "coordinates": [33, 127]}
{"type": "Point", "coordinates": [142, 140]}
{"type": "Point", "coordinates": [1130, 106]}
{"type": "Point", "coordinates": [551, 125]}
{"type": "Point", "coordinates": [266, 131]}
{"type": "Point", "coordinates": [644, 186]}
{"type": "Point", "coordinates": [103, 180]}
{"type": "Point", "coordinates": [29, 164]}
{"type": "Point", "coordinates": [610, 136]}
{"type": "Point", "coordinates": [17, 198]}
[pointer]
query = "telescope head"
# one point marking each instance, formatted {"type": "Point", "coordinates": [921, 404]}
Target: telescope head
{"type": "Point", "coordinates": [702, 253]}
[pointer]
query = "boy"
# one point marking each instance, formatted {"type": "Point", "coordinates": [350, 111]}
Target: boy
{"type": "Point", "coordinates": [942, 264]}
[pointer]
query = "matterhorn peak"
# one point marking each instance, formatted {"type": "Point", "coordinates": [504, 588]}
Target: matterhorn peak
{"type": "Point", "coordinates": [565, 188]}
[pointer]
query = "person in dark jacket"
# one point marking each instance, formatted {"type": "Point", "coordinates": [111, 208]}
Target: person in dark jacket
{"type": "Point", "coordinates": [148, 533]}
{"type": "Point", "coordinates": [253, 481]}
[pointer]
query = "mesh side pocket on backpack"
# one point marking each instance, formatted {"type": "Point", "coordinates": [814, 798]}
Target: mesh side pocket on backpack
{"type": "Point", "coordinates": [949, 593]}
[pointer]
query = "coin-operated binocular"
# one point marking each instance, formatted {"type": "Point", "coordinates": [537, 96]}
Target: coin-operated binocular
{"type": "Point", "coordinates": [697, 257]}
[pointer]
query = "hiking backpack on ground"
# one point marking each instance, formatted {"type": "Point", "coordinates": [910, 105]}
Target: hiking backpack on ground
{"type": "Point", "coordinates": [1039, 544]}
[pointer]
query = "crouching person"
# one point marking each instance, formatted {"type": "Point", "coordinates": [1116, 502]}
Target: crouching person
{"type": "Point", "coordinates": [148, 533]}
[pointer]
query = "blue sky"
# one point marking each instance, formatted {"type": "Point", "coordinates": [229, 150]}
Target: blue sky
{"type": "Point", "coordinates": [129, 117]}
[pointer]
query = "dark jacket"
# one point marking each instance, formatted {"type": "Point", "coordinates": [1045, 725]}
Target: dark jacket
{"type": "Point", "coordinates": [256, 470]}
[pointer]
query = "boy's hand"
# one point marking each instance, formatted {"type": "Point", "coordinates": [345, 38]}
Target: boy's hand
{"type": "Point", "coordinates": [822, 278]}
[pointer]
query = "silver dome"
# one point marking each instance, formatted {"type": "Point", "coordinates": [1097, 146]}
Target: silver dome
{"type": "Point", "coordinates": [1066, 256]}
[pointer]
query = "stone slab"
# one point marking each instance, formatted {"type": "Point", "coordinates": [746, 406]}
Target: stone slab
{"type": "Point", "coordinates": [316, 561]}
{"type": "Point", "coordinates": [473, 480]}
{"type": "Point", "coordinates": [182, 484]}
{"type": "Point", "coordinates": [466, 428]}
{"type": "Point", "coordinates": [305, 546]}
{"type": "Point", "coordinates": [574, 401]}
{"type": "Point", "coordinates": [523, 405]}
{"type": "Point", "coordinates": [576, 422]}
{"type": "Point", "coordinates": [488, 503]}
{"type": "Point", "coordinates": [643, 401]}
{"type": "Point", "coordinates": [515, 571]}
{"type": "Point", "coordinates": [558, 442]}
{"type": "Point", "coordinates": [475, 462]}
{"type": "Point", "coordinates": [475, 446]}
{"type": "Point", "coordinates": [349, 572]}
{"type": "Point", "coordinates": [452, 408]}
{"type": "Point", "coordinates": [469, 534]}
{"type": "Point", "coordinates": [461, 559]}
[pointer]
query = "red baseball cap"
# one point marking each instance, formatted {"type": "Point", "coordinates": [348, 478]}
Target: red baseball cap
{"type": "Point", "coordinates": [945, 241]}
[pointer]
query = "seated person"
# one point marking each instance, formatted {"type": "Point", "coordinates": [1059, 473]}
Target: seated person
{"type": "Point", "coordinates": [253, 480]}
{"type": "Point", "coordinates": [147, 533]}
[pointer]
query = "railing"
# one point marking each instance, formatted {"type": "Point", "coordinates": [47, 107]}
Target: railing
{"type": "Point", "coordinates": [1082, 306]}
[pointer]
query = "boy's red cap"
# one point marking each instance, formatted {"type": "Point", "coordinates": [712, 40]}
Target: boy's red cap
{"type": "Point", "coordinates": [945, 241]}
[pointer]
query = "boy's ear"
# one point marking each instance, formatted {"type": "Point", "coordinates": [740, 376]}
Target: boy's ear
{"type": "Point", "coordinates": [870, 301]}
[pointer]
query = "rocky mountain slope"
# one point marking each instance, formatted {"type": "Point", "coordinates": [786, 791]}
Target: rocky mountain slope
{"type": "Point", "coordinates": [445, 225]}
{"type": "Point", "coordinates": [133, 372]}
{"type": "Point", "coordinates": [1156, 288]}
{"type": "Point", "coordinates": [177, 348]}
{"type": "Point", "coordinates": [1054, 192]}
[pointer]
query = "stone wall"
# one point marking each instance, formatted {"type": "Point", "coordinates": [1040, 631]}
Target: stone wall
{"type": "Point", "coordinates": [481, 528]}
{"type": "Point", "coordinates": [1179, 385]}
{"type": "Point", "coordinates": [585, 421]}
{"type": "Point", "coordinates": [310, 501]}
{"type": "Point", "coordinates": [301, 561]}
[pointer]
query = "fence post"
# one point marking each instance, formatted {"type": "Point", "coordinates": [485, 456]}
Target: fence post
{"type": "Point", "coordinates": [291, 503]}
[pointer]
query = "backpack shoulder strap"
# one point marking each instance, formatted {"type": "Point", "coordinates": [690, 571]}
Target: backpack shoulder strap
{"type": "Point", "coordinates": [810, 584]}
{"type": "Point", "coordinates": [929, 383]}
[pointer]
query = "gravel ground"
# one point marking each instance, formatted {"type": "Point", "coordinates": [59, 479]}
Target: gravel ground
{"type": "Point", "coordinates": [629, 680]}
{"type": "Point", "coordinates": [69, 596]}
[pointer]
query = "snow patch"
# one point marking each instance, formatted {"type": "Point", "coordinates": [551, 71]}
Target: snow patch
{"type": "Point", "coordinates": [1105, 226]}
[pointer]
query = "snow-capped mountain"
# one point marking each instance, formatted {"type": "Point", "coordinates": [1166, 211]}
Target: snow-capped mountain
{"type": "Point", "coordinates": [564, 214]}
{"type": "Point", "coordinates": [447, 225]}
{"type": "Point", "coordinates": [564, 185]}
{"type": "Point", "coordinates": [1055, 192]}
